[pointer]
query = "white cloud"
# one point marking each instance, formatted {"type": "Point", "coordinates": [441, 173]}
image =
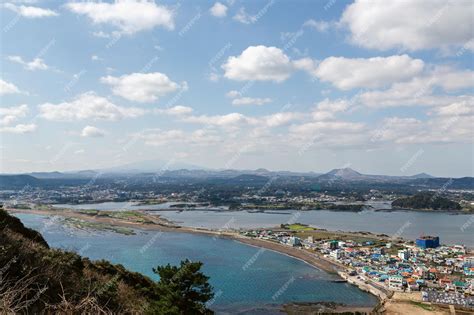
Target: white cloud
{"type": "Point", "coordinates": [87, 106]}
{"type": "Point", "coordinates": [24, 1]}
{"type": "Point", "coordinates": [306, 64]}
{"type": "Point", "coordinates": [451, 79]}
{"type": "Point", "coordinates": [142, 87]}
{"type": "Point", "coordinates": [327, 126]}
{"type": "Point", "coordinates": [8, 115]}
{"type": "Point", "coordinates": [96, 58]}
{"type": "Point", "coordinates": [233, 94]}
{"type": "Point", "coordinates": [128, 16]}
{"type": "Point", "coordinates": [101, 34]}
{"type": "Point", "coordinates": [234, 120]}
{"type": "Point", "coordinates": [251, 101]}
{"type": "Point", "coordinates": [178, 110]}
{"type": "Point", "coordinates": [326, 109]}
{"type": "Point", "coordinates": [157, 137]}
{"type": "Point", "coordinates": [8, 88]}
{"type": "Point", "coordinates": [243, 17]}
{"type": "Point", "coordinates": [397, 129]}
{"type": "Point", "coordinates": [332, 133]}
{"type": "Point", "coordinates": [320, 26]}
{"type": "Point", "coordinates": [93, 132]}
{"type": "Point", "coordinates": [264, 63]}
{"type": "Point", "coordinates": [339, 105]}
{"type": "Point", "coordinates": [218, 10]}
{"type": "Point", "coordinates": [204, 137]}
{"type": "Point", "coordinates": [419, 90]}
{"type": "Point", "coordinates": [441, 129]}
{"type": "Point", "coordinates": [29, 11]}
{"type": "Point", "coordinates": [258, 63]}
{"type": "Point", "coordinates": [464, 107]}
{"type": "Point", "coordinates": [218, 120]}
{"type": "Point", "coordinates": [319, 115]}
{"type": "Point", "coordinates": [19, 129]}
{"type": "Point", "coordinates": [410, 25]}
{"type": "Point", "coordinates": [279, 119]}
{"type": "Point", "coordinates": [349, 73]}
{"type": "Point", "coordinates": [35, 64]}
{"type": "Point", "coordinates": [213, 77]}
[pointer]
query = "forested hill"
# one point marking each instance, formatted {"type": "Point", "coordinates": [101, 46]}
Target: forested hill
{"type": "Point", "coordinates": [426, 200]}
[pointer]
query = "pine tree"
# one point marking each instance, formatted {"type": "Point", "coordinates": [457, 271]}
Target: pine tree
{"type": "Point", "coordinates": [184, 289]}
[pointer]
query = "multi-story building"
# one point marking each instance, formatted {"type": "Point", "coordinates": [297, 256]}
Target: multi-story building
{"type": "Point", "coordinates": [427, 242]}
{"type": "Point", "coordinates": [336, 254]}
{"type": "Point", "coordinates": [395, 282]}
{"type": "Point", "coordinates": [404, 254]}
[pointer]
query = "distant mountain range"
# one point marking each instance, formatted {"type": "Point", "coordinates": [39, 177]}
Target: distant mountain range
{"type": "Point", "coordinates": [170, 169]}
{"type": "Point", "coordinates": [142, 172]}
{"type": "Point", "coordinates": [351, 175]}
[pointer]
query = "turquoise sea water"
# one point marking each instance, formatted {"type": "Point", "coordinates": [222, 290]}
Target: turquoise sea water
{"type": "Point", "coordinates": [243, 277]}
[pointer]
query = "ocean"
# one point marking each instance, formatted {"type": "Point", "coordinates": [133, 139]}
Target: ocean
{"type": "Point", "coordinates": [243, 277]}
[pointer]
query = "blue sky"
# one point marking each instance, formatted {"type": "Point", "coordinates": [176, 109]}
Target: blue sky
{"type": "Point", "coordinates": [286, 85]}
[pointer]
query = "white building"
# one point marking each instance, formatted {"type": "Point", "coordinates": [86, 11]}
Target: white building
{"type": "Point", "coordinates": [294, 241]}
{"type": "Point", "coordinates": [395, 282]}
{"type": "Point", "coordinates": [404, 254]}
{"type": "Point", "coordinates": [336, 254]}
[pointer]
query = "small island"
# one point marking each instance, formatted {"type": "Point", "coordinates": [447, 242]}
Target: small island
{"type": "Point", "coordinates": [426, 201]}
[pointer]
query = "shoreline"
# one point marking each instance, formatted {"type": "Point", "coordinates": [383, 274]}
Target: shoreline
{"type": "Point", "coordinates": [386, 298]}
{"type": "Point", "coordinates": [452, 212]}
{"type": "Point", "coordinates": [368, 206]}
{"type": "Point", "coordinates": [312, 259]}
{"type": "Point", "coordinates": [315, 260]}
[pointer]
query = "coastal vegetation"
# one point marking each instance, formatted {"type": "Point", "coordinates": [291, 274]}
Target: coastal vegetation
{"type": "Point", "coordinates": [304, 231]}
{"type": "Point", "coordinates": [186, 289]}
{"type": "Point", "coordinates": [288, 205]}
{"type": "Point", "coordinates": [424, 306]}
{"type": "Point", "coordinates": [88, 225]}
{"type": "Point", "coordinates": [130, 216]}
{"type": "Point", "coordinates": [37, 279]}
{"type": "Point", "coordinates": [426, 201]}
{"type": "Point", "coordinates": [297, 227]}
{"type": "Point", "coordinates": [150, 202]}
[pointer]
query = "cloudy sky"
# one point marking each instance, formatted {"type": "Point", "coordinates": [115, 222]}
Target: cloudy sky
{"type": "Point", "coordinates": [382, 87]}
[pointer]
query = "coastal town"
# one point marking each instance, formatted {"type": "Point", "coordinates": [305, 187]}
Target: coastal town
{"type": "Point", "coordinates": [443, 274]}
{"type": "Point", "coordinates": [339, 190]}
{"type": "Point", "coordinates": [422, 274]}
{"type": "Point", "coordinates": [243, 199]}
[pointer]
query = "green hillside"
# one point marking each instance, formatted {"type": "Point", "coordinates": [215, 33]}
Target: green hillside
{"type": "Point", "coordinates": [35, 279]}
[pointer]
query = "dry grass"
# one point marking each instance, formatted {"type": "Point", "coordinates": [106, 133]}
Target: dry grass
{"type": "Point", "coordinates": [17, 296]}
